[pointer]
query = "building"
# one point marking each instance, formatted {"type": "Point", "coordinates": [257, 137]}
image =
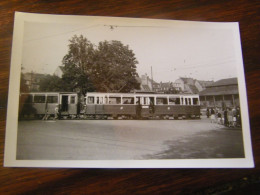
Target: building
{"type": "Point", "coordinates": [59, 71]}
{"type": "Point", "coordinates": [168, 87]}
{"type": "Point", "coordinates": [222, 93]}
{"type": "Point", "coordinates": [201, 85]}
{"type": "Point", "coordinates": [32, 80]}
{"type": "Point", "coordinates": [147, 85]}
{"type": "Point", "coordinates": [190, 85]}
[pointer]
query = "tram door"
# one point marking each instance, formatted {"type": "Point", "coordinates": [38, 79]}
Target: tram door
{"type": "Point", "coordinates": [64, 103]}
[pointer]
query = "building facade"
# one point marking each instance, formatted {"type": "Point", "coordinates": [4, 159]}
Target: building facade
{"type": "Point", "coordinates": [32, 80]}
{"type": "Point", "coordinates": [221, 94]}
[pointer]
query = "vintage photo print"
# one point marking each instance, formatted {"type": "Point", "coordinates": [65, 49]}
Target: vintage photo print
{"type": "Point", "coordinates": [109, 92]}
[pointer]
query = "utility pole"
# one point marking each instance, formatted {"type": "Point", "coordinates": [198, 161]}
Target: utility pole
{"type": "Point", "coordinates": [152, 76]}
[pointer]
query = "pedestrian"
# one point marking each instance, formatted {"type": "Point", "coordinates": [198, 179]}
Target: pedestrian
{"type": "Point", "coordinates": [230, 117]}
{"type": "Point", "coordinates": [207, 113]}
{"type": "Point", "coordinates": [234, 114]}
{"type": "Point", "coordinates": [151, 108]}
{"type": "Point", "coordinates": [219, 117]}
{"type": "Point", "coordinates": [138, 110]}
{"type": "Point", "coordinates": [212, 115]}
{"type": "Point", "coordinates": [238, 117]}
{"type": "Point", "coordinates": [226, 117]}
{"type": "Point", "coordinates": [57, 114]}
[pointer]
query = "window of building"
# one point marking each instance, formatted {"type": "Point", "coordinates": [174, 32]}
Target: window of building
{"type": "Point", "coordinates": [39, 99]}
{"type": "Point", "coordinates": [52, 99]}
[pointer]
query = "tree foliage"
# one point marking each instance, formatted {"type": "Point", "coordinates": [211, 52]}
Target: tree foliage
{"type": "Point", "coordinates": [115, 67]}
{"type": "Point", "coordinates": [109, 67]}
{"type": "Point", "coordinates": [51, 83]}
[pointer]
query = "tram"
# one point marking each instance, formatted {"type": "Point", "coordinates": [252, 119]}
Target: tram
{"type": "Point", "coordinates": [40, 103]}
{"type": "Point", "coordinates": [135, 105]}
{"type": "Point", "coordinates": [97, 105]}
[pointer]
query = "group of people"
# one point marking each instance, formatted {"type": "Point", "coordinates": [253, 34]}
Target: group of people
{"type": "Point", "coordinates": [230, 117]}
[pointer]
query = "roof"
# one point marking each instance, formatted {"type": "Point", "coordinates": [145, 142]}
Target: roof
{"type": "Point", "coordinates": [205, 83]}
{"type": "Point", "coordinates": [187, 80]}
{"type": "Point", "coordinates": [140, 94]}
{"type": "Point", "coordinates": [167, 84]}
{"type": "Point", "coordinates": [146, 88]}
{"type": "Point", "coordinates": [225, 82]}
{"type": "Point", "coordinates": [193, 89]}
{"type": "Point", "coordinates": [220, 90]}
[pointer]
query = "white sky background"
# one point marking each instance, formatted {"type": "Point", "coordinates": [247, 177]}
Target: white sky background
{"type": "Point", "coordinates": [193, 51]}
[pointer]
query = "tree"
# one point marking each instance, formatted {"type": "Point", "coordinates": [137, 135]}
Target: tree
{"type": "Point", "coordinates": [115, 67]}
{"type": "Point", "coordinates": [78, 64]}
{"type": "Point", "coordinates": [53, 83]}
{"type": "Point", "coordinates": [110, 67]}
{"type": "Point", "coordinates": [23, 87]}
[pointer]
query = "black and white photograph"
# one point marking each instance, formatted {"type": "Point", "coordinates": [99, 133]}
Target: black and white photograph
{"type": "Point", "coordinates": [113, 92]}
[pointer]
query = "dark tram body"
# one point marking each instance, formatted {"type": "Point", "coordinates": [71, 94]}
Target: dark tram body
{"type": "Point", "coordinates": [41, 103]}
{"type": "Point", "coordinates": [109, 105]}
{"type": "Point", "coordinates": [133, 105]}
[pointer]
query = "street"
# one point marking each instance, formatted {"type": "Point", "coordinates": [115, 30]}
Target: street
{"type": "Point", "coordinates": [126, 140]}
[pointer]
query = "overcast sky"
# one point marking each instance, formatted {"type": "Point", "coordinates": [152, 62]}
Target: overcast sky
{"type": "Point", "coordinates": [197, 51]}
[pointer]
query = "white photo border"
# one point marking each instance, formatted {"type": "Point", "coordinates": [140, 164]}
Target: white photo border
{"type": "Point", "coordinates": [14, 88]}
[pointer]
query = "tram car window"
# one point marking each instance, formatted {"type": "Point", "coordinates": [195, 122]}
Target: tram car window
{"type": "Point", "coordinates": [195, 101]}
{"type": "Point", "coordinates": [26, 98]}
{"type": "Point", "coordinates": [73, 99]}
{"type": "Point", "coordinates": [128, 100]}
{"type": "Point", "coordinates": [114, 100]}
{"type": "Point", "coordinates": [173, 101]}
{"type": "Point", "coordinates": [52, 99]}
{"type": "Point", "coordinates": [161, 101]}
{"type": "Point", "coordinates": [39, 99]}
{"type": "Point", "coordinates": [90, 100]}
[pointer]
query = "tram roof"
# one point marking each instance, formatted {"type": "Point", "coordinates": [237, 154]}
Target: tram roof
{"type": "Point", "coordinates": [139, 94]}
{"type": "Point", "coordinates": [48, 92]}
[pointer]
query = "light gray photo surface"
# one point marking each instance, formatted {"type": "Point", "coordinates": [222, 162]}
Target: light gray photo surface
{"type": "Point", "coordinates": [123, 92]}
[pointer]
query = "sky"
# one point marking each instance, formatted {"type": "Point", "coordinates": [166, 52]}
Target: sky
{"type": "Point", "coordinates": [198, 51]}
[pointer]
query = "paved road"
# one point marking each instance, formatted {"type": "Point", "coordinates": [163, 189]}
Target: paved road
{"type": "Point", "coordinates": [126, 139]}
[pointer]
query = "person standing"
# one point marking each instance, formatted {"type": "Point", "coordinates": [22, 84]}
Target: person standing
{"type": "Point", "coordinates": [238, 117]}
{"type": "Point", "coordinates": [225, 117]}
{"type": "Point", "coordinates": [234, 115]}
{"type": "Point", "coordinates": [230, 117]}
{"type": "Point", "coordinates": [57, 114]}
{"type": "Point", "coordinates": [138, 110]}
{"type": "Point", "coordinates": [207, 112]}
{"type": "Point", "coordinates": [212, 115]}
